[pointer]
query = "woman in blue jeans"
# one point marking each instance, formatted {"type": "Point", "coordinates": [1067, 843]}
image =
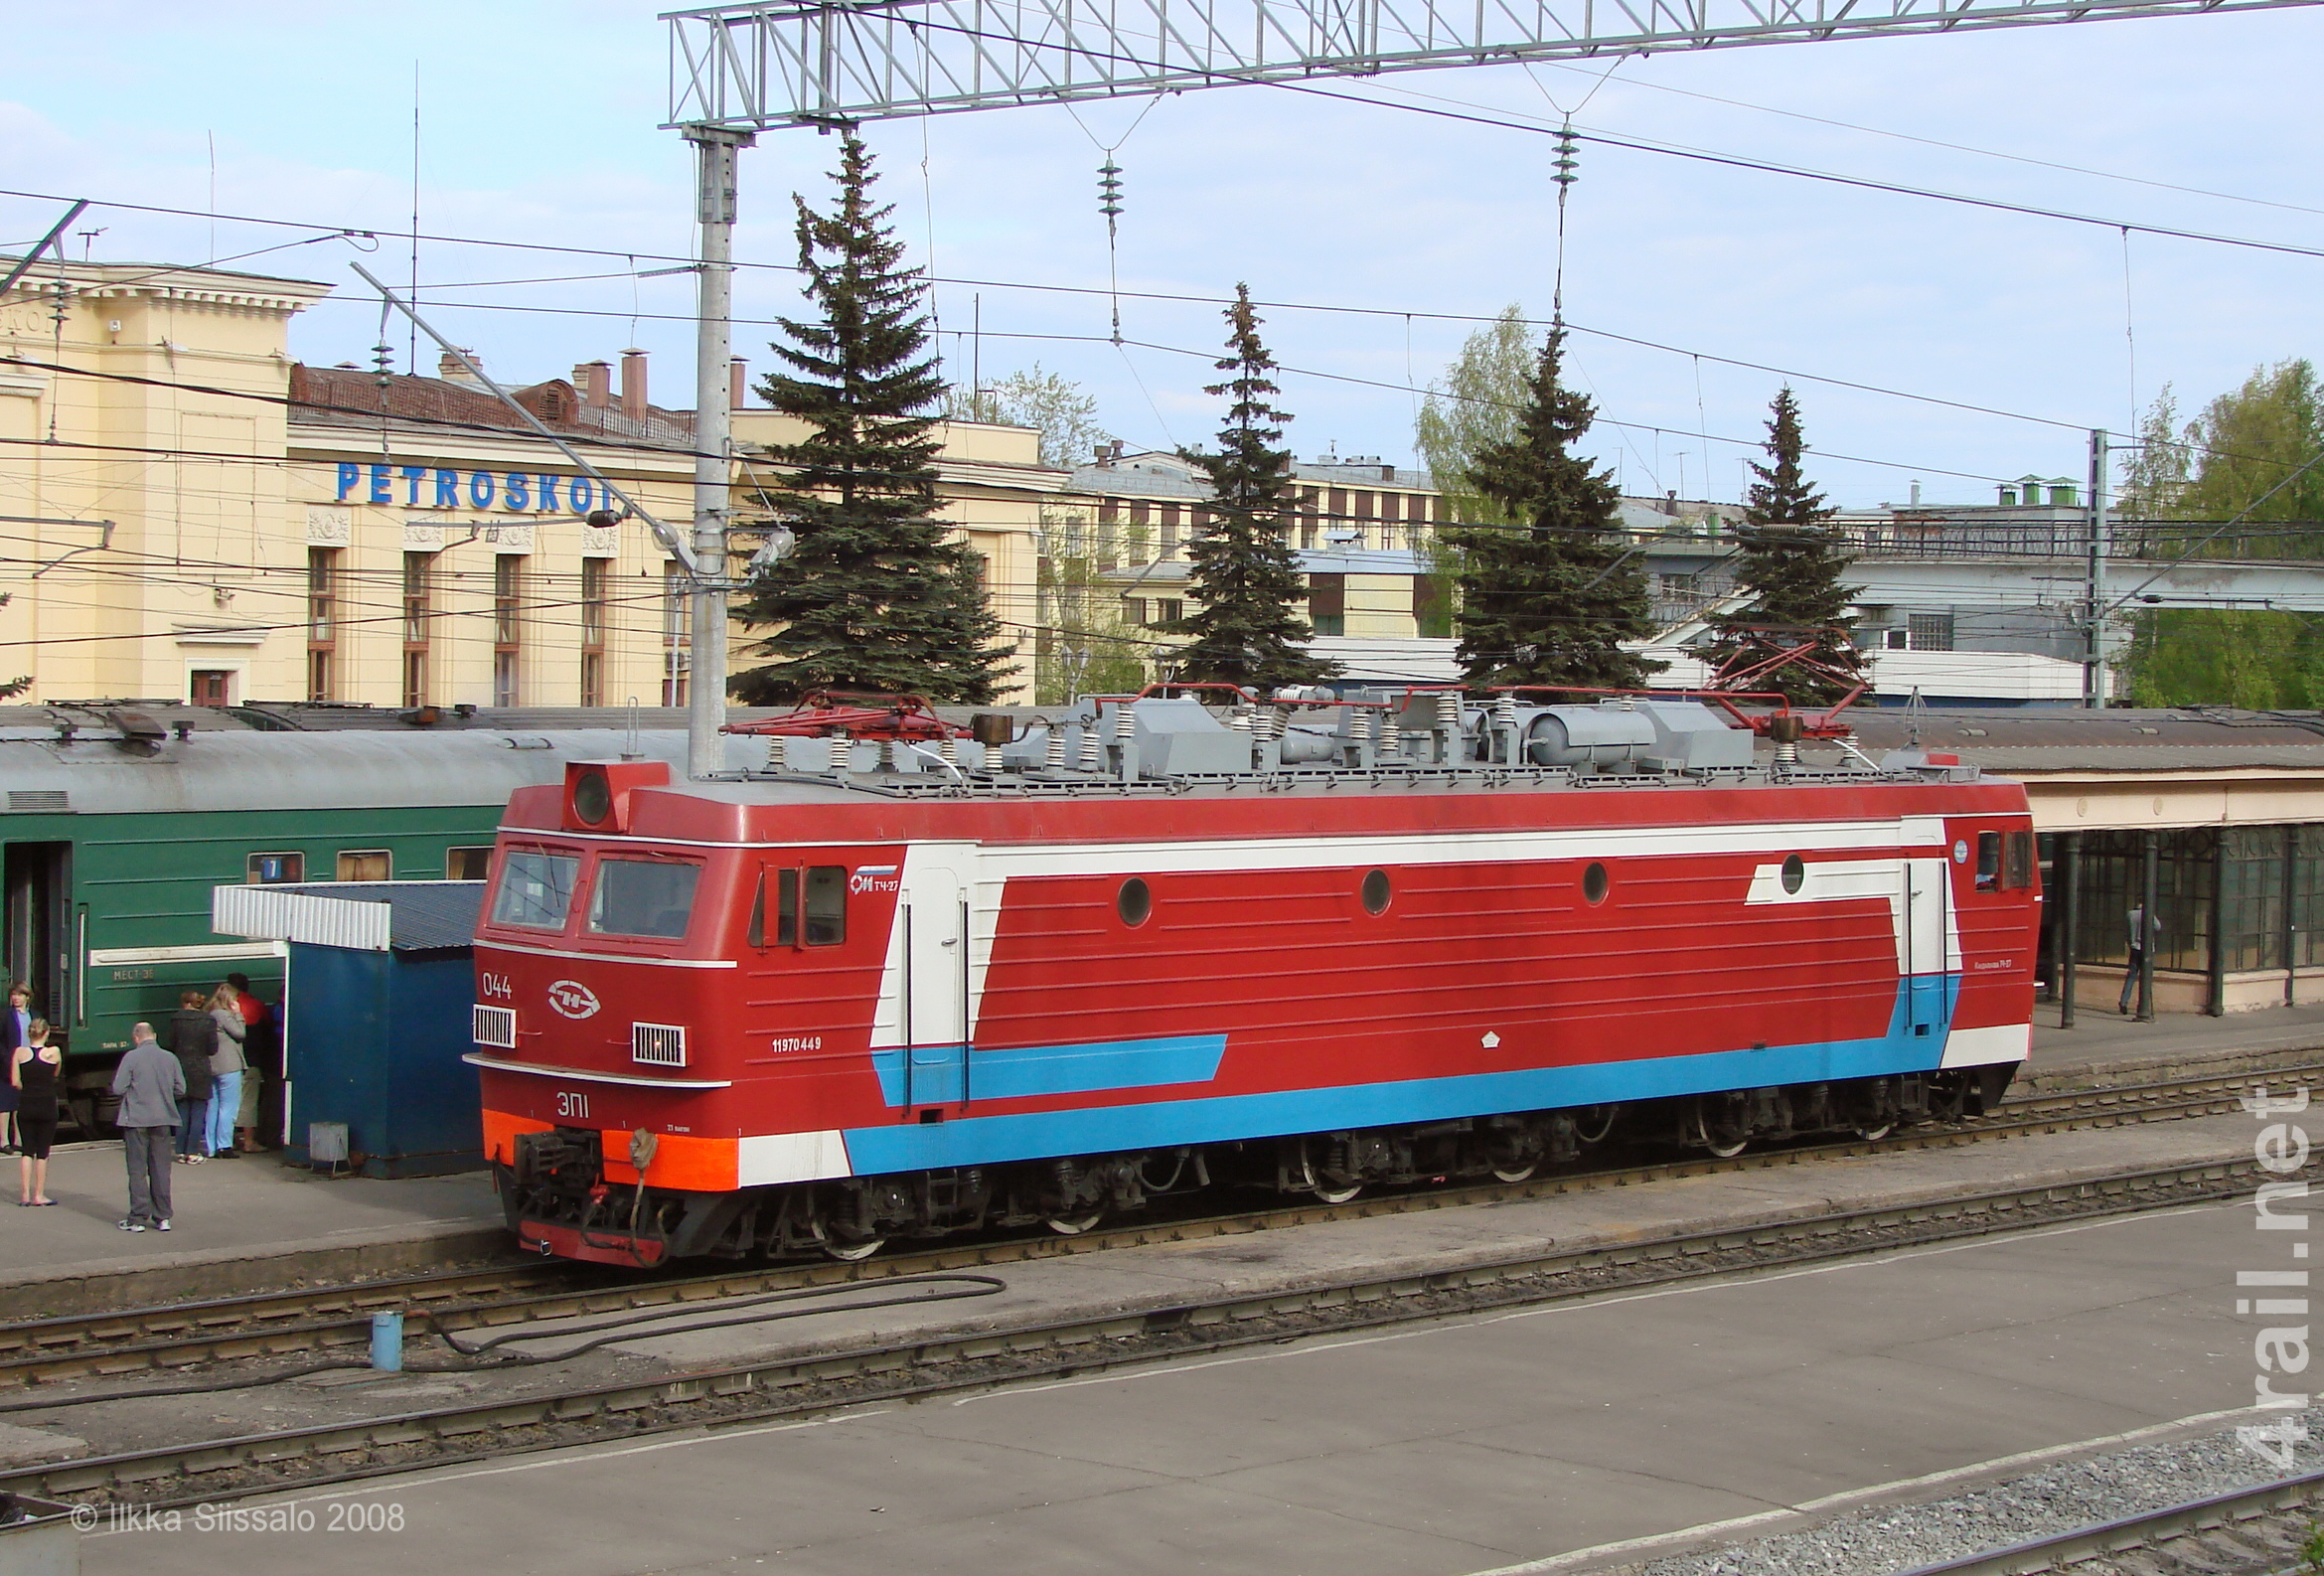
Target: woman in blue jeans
{"type": "Point", "coordinates": [226, 1066]}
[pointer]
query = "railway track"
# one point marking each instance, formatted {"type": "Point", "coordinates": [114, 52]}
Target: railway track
{"type": "Point", "coordinates": [957, 1360]}
{"type": "Point", "coordinates": [2252, 1533]}
{"type": "Point", "coordinates": [337, 1318]}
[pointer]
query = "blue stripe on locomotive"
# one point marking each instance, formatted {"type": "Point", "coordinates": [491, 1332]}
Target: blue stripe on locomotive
{"type": "Point", "coordinates": [1049, 1069]}
{"type": "Point", "coordinates": [1907, 1046]}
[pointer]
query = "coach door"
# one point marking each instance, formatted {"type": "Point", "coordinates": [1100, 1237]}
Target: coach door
{"type": "Point", "coordinates": [1925, 962]}
{"type": "Point", "coordinates": [934, 916]}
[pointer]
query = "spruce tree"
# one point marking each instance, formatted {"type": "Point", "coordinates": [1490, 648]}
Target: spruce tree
{"type": "Point", "coordinates": [1792, 567]}
{"type": "Point", "coordinates": [876, 595]}
{"type": "Point", "coordinates": [1549, 597]}
{"type": "Point", "coordinates": [1244, 571]}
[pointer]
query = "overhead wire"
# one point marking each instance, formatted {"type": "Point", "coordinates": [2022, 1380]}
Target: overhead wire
{"type": "Point", "coordinates": [333, 232]}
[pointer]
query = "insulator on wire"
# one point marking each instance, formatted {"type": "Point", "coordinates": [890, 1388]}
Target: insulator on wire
{"type": "Point", "coordinates": [1565, 163]}
{"type": "Point", "coordinates": [1110, 190]}
{"type": "Point", "coordinates": [382, 361]}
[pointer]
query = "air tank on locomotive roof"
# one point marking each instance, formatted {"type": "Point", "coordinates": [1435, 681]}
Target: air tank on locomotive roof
{"type": "Point", "coordinates": [1587, 735]}
{"type": "Point", "coordinates": [1651, 734]}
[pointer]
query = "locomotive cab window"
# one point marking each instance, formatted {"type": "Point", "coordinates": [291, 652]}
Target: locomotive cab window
{"type": "Point", "coordinates": [2017, 861]}
{"type": "Point", "coordinates": [827, 907]}
{"type": "Point", "coordinates": [536, 890]}
{"type": "Point", "coordinates": [1988, 861]}
{"type": "Point", "coordinates": [652, 898]}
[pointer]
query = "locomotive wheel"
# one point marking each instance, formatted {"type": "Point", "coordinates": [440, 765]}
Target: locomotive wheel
{"type": "Point", "coordinates": [1335, 1192]}
{"type": "Point", "coordinates": [848, 1251]}
{"type": "Point", "coordinates": [1593, 1123]}
{"type": "Point", "coordinates": [1724, 1149]}
{"type": "Point", "coordinates": [1873, 1135]}
{"type": "Point", "coordinates": [1075, 1225]}
{"type": "Point", "coordinates": [1516, 1174]}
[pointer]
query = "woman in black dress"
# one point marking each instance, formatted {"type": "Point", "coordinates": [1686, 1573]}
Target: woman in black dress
{"type": "Point", "coordinates": [31, 1075]}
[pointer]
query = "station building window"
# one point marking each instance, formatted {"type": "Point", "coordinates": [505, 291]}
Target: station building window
{"type": "Point", "coordinates": [322, 623]}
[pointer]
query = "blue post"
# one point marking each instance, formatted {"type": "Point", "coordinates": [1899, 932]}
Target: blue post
{"type": "Point", "coordinates": [388, 1343]}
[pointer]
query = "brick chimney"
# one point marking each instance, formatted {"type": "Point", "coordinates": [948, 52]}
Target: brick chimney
{"type": "Point", "coordinates": [449, 369]}
{"type": "Point", "coordinates": [736, 383]}
{"type": "Point", "coordinates": [594, 378]}
{"type": "Point", "coordinates": [633, 384]}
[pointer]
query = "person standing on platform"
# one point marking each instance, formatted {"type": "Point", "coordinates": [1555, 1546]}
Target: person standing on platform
{"type": "Point", "coordinates": [15, 1032]}
{"type": "Point", "coordinates": [262, 1113]}
{"type": "Point", "coordinates": [2134, 979]}
{"type": "Point", "coordinates": [149, 1081]}
{"type": "Point", "coordinates": [32, 1073]}
{"type": "Point", "coordinates": [227, 1065]}
{"type": "Point", "coordinates": [191, 1036]}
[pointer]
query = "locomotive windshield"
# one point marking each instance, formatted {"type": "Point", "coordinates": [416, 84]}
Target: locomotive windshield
{"type": "Point", "coordinates": [643, 898]}
{"type": "Point", "coordinates": [537, 891]}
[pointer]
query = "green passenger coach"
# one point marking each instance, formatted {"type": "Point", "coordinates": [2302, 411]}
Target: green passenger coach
{"type": "Point", "coordinates": [115, 837]}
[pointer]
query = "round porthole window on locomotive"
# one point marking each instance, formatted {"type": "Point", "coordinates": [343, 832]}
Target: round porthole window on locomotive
{"type": "Point", "coordinates": [1794, 874]}
{"type": "Point", "coordinates": [592, 797]}
{"type": "Point", "coordinates": [1135, 901]}
{"type": "Point", "coordinates": [1594, 883]}
{"type": "Point", "coordinates": [1376, 892]}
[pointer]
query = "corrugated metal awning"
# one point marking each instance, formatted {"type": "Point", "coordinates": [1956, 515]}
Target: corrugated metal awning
{"type": "Point", "coordinates": [362, 917]}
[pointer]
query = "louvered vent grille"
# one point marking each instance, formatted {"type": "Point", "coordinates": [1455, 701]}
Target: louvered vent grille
{"type": "Point", "coordinates": [493, 1025]}
{"type": "Point", "coordinates": [28, 799]}
{"type": "Point", "coordinates": [656, 1045]}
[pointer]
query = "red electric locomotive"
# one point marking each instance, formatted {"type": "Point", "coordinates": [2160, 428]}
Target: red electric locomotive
{"type": "Point", "coordinates": [914, 983]}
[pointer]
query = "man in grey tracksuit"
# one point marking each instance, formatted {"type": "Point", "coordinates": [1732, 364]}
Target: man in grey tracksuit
{"type": "Point", "coordinates": [150, 1083]}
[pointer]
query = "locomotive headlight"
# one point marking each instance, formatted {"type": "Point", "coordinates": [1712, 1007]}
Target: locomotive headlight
{"type": "Point", "coordinates": [592, 797]}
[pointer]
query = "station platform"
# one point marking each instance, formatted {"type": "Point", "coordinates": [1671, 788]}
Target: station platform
{"type": "Point", "coordinates": [256, 1224]}
{"type": "Point", "coordinates": [2104, 1047]}
{"type": "Point", "coordinates": [241, 1225]}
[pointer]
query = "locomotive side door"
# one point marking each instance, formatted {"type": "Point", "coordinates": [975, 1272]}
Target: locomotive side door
{"type": "Point", "coordinates": [1926, 937]}
{"type": "Point", "coordinates": [932, 917]}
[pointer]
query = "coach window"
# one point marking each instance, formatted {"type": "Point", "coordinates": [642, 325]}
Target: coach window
{"type": "Point", "coordinates": [272, 869]}
{"type": "Point", "coordinates": [366, 865]}
{"type": "Point", "coordinates": [1988, 861]}
{"type": "Point", "coordinates": [466, 865]}
{"type": "Point", "coordinates": [536, 890]}
{"type": "Point", "coordinates": [643, 898]}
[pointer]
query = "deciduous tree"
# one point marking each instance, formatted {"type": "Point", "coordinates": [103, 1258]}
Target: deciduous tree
{"type": "Point", "coordinates": [1052, 405]}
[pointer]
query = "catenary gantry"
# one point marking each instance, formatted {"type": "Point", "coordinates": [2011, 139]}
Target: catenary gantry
{"type": "Point", "coordinates": [821, 61]}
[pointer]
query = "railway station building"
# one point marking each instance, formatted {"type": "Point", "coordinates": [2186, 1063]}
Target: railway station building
{"type": "Point", "coordinates": [188, 514]}
{"type": "Point", "coordinates": [2214, 815]}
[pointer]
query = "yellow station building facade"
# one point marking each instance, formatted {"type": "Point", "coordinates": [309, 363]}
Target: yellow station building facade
{"type": "Point", "coordinates": [188, 514]}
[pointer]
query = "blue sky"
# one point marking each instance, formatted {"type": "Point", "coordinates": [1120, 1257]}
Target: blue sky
{"type": "Point", "coordinates": [539, 125]}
